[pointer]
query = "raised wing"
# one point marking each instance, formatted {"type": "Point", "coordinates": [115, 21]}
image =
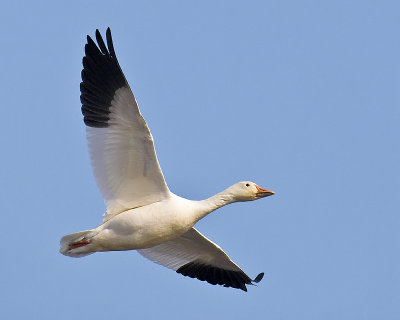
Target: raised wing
{"type": "Point", "coordinates": [195, 256]}
{"type": "Point", "coordinates": [121, 146]}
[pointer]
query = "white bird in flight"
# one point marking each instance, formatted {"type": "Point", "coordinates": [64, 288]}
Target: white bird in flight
{"type": "Point", "coordinates": [142, 213]}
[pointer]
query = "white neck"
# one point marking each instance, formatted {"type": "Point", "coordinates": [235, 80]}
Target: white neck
{"type": "Point", "coordinates": [209, 205]}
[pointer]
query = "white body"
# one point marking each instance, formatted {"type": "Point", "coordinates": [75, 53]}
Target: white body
{"type": "Point", "coordinates": [150, 225]}
{"type": "Point", "coordinates": [146, 226]}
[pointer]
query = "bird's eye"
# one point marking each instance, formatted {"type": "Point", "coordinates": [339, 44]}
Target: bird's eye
{"type": "Point", "coordinates": [247, 185]}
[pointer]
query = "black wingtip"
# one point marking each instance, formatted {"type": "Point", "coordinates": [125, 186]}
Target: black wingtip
{"type": "Point", "coordinates": [101, 78]}
{"type": "Point", "coordinates": [215, 275]}
{"type": "Point", "coordinates": [259, 277]}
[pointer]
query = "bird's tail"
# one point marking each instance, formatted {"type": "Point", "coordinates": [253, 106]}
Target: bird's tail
{"type": "Point", "coordinates": [76, 244]}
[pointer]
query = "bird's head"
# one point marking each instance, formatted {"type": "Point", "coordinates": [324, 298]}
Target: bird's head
{"type": "Point", "coordinates": [247, 191]}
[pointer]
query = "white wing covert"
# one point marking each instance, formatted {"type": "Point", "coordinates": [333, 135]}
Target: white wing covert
{"type": "Point", "coordinates": [195, 256]}
{"type": "Point", "coordinates": [121, 146]}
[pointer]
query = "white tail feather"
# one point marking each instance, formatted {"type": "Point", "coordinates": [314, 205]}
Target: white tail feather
{"type": "Point", "coordinates": [74, 237]}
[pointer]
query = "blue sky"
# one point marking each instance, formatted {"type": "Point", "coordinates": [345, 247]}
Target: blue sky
{"type": "Point", "coordinates": [301, 97]}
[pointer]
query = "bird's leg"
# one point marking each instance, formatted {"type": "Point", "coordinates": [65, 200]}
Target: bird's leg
{"type": "Point", "coordinates": [80, 243]}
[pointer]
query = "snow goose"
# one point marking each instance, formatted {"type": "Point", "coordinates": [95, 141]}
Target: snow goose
{"type": "Point", "coordinates": [142, 214]}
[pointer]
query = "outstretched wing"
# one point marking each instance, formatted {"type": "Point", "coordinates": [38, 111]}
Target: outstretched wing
{"type": "Point", "coordinates": [195, 256]}
{"type": "Point", "coordinates": [121, 146]}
